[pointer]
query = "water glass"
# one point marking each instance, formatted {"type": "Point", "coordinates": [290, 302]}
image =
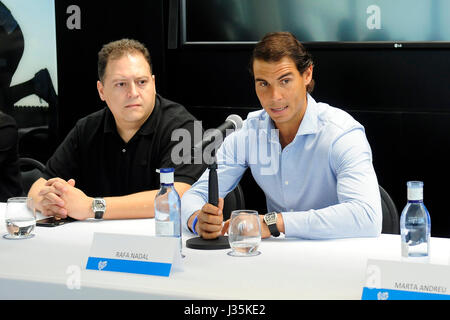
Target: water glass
{"type": "Point", "coordinates": [244, 233]}
{"type": "Point", "coordinates": [20, 218]}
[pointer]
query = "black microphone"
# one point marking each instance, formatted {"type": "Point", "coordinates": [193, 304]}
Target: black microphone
{"type": "Point", "coordinates": [220, 242]}
{"type": "Point", "coordinates": [213, 185]}
{"type": "Point", "coordinates": [233, 122]}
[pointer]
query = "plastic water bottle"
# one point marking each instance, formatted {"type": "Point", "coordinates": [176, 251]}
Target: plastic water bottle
{"type": "Point", "coordinates": [415, 223]}
{"type": "Point", "coordinates": [167, 207]}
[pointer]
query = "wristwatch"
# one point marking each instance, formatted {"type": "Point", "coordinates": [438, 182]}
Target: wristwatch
{"type": "Point", "coordinates": [99, 207]}
{"type": "Point", "coordinates": [271, 220]}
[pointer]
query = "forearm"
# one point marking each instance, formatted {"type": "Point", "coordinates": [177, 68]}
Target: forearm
{"type": "Point", "coordinates": [133, 206]}
{"type": "Point", "coordinates": [191, 220]}
{"type": "Point", "coordinates": [137, 205]}
{"type": "Point", "coordinates": [191, 204]}
{"type": "Point", "coordinates": [350, 219]}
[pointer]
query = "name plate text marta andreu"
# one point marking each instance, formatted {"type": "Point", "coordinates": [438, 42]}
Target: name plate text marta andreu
{"type": "Point", "coordinates": [137, 254]}
{"type": "Point", "coordinates": [404, 280]}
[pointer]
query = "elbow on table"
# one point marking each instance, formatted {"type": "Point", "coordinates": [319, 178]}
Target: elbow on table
{"type": "Point", "coordinates": [368, 218]}
{"type": "Point", "coordinates": [375, 221]}
{"type": "Point", "coordinates": [374, 230]}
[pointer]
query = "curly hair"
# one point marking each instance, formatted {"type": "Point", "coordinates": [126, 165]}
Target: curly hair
{"type": "Point", "coordinates": [274, 46]}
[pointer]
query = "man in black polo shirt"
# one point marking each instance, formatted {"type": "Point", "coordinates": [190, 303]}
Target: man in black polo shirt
{"type": "Point", "coordinates": [110, 157]}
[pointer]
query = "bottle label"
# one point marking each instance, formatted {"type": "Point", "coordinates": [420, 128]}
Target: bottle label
{"type": "Point", "coordinates": [166, 178]}
{"type": "Point", "coordinates": [164, 228]}
{"type": "Point", "coordinates": [415, 194]}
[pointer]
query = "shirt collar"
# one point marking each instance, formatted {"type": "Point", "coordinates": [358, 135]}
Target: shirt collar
{"type": "Point", "coordinates": [309, 122]}
{"type": "Point", "coordinates": [110, 123]}
{"type": "Point", "coordinates": [151, 123]}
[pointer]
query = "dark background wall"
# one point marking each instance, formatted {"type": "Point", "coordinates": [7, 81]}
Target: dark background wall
{"type": "Point", "coordinates": [401, 96]}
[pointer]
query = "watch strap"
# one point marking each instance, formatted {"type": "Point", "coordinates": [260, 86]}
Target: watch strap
{"type": "Point", "coordinates": [98, 215]}
{"type": "Point", "coordinates": [274, 230]}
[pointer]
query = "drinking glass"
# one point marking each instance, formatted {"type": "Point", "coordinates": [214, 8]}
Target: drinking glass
{"type": "Point", "coordinates": [244, 233]}
{"type": "Point", "coordinates": [20, 218]}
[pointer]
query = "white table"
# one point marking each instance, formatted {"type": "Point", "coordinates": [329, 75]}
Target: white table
{"type": "Point", "coordinates": [42, 267]}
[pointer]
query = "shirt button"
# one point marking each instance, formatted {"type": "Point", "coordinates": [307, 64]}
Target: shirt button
{"type": "Point", "coordinates": [124, 150]}
{"type": "Point", "coordinates": [286, 182]}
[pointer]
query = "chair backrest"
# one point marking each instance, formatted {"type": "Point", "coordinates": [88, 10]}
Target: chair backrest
{"type": "Point", "coordinates": [233, 201]}
{"type": "Point", "coordinates": [37, 143]}
{"type": "Point", "coordinates": [391, 223]}
{"type": "Point", "coordinates": [31, 170]}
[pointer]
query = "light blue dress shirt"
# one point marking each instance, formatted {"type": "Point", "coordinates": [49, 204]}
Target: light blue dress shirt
{"type": "Point", "coordinates": [323, 183]}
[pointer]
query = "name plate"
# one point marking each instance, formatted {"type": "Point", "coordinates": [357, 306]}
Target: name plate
{"type": "Point", "coordinates": [134, 254]}
{"type": "Point", "coordinates": [401, 280]}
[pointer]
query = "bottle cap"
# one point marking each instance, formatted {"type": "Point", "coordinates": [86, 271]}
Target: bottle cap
{"type": "Point", "coordinates": [415, 190]}
{"type": "Point", "coordinates": [166, 175]}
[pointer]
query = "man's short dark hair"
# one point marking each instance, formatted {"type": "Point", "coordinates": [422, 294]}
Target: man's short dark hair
{"type": "Point", "coordinates": [117, 49]}
{"type": "Point", "coordinates": [274, 46]}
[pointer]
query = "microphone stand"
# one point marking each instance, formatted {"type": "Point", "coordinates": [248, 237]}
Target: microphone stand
{"type": "Point", "coordinates": [220, 242]}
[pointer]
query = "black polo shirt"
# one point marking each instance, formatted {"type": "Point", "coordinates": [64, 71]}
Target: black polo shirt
{"type": "Point", "coordinates": [103, 165]}
{"type": "Point", "coordinates": [10, 179]}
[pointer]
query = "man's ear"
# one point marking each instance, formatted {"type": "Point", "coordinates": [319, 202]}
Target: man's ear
{"type": "Point", "coordinates": [100, 90]}
{"type": "Point", "coordinates": [307, 75]}
{"type": "Point", "coordinates": [154, 82]}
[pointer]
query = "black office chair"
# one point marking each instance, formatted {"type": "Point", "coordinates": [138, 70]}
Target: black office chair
{"type": "Point", "coordinates": [37, 143]}
{"type": "Point", "coordinates": [233, 201]}
{"type": "Point", "coordinates": [391, 221]}
{"type": "Point", "coordinates": [31, 170]}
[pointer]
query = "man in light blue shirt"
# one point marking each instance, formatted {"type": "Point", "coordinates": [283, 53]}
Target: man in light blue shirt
{"type": "Point", "coordinates": [312, 161]}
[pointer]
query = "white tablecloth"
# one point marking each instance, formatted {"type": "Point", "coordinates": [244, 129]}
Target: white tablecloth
{"type": "Point", "coordinates": [43, 267]}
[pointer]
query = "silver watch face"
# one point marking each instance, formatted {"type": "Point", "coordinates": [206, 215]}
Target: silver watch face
{"type": "Point", "coordinates": [270, 218]}
{"type": "Point", "coordinates": [99, 205]}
